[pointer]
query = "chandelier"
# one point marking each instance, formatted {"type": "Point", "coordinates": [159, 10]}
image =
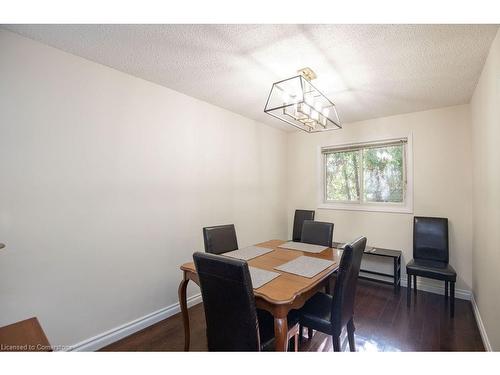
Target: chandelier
{"type": "Point", "coordinates": [297, 102]}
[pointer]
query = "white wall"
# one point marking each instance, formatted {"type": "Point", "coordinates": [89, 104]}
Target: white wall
{"type": "Point", "coordinates": [106, 182]}
{"type": "Point", "coordinates": [485, 114]}
{"type": "Point", "coordinates": [442, 182]}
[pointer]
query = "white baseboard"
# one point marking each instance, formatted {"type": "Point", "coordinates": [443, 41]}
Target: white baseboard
{"type": "Point", "coordinates": [117, 333]}
{"type": "Point", "coordinates": [480, 325]}
{"type": "Point", "coordinates": [432, 288]}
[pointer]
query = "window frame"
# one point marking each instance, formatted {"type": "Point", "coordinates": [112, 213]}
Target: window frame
{"type": "Point", "coordinates": [405, 207]}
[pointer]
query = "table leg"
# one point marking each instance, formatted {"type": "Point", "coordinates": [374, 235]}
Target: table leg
{"type": "Point", "coordinates": [184, 310]}
{"type": "Point", "coordinates": [399, 272]}
{"type": "Point", "coordinates": [395, 280]}
{"type": "Point", "coordinates": [452, 297]}
{"type": "Point", "coordinates": [281, 334]}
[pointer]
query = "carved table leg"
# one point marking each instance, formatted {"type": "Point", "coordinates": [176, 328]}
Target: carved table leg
{"type": "Point", "coordinates": [184, 310]}
{"type": "Point", "coordinates": [281, 334]}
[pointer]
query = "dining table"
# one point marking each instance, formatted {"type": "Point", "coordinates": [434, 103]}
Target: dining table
{"type": "Point", "coordinates": [280, 295]}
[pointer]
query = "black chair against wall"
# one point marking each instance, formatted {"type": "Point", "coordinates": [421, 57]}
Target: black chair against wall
{"type": "Point", "coordinates": [431, 256]}
{"type": "Point", "coordinates": [329, 314]}
{"type": "Point", "coordinates": [298, 220]}
{"type": "Point", "coordinates": [317, 233]}
{"type": "Point", "coordinates": [232, 319]}
{"type": "Point", "coordinates": [220, 239]}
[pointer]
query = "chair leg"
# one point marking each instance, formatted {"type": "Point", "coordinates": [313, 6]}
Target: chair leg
{"type": "Point", "coordinates": [446, 289]}
{"type": "Point", "coordinates": [350, 335]}
{"type": "Point", "coordinates": [300, 332]}
{"type": "Point", "coordinates": [452, 297]}
{"type": "Point", "coordinates": [327, 286]}
{"type": "Point", "coordinates": [415, 284]}
{"type": "Point", "coordinates": [336, 343]}
{"type": "Point", "coordinates": [293, 333]}
{"type": "Point", "coordinates": [309, 333]}
{"type": "Point", "coordinates": [408, 290]}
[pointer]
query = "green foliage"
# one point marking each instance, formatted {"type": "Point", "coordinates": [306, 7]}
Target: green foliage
{"type": "Point", "coordinates": [382, 171]}
{"type": "Point", "coordinates": [383, 174]}
{"type": "Point", "coordinates": [342, 176]}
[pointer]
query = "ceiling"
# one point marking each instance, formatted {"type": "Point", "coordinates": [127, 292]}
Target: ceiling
{"type": "Point", "coordinates": [369, 71]}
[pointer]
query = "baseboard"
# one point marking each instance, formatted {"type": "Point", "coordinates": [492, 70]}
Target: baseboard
{"type": "Point", "coordinates": [117, 333]}
{"type": "Point", "coordinates": [480, 325]}
{"type": "Point", "coordinates": [432, 288]}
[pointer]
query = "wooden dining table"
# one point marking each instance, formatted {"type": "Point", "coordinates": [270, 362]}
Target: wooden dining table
{"type": "Point", "coordinates": [279, 296]}
{"type": "Point", "coordinates": [24, 336]}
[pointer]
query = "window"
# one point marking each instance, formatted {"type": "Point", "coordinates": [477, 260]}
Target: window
{"type": "Point", "coordinates": [369, 176]}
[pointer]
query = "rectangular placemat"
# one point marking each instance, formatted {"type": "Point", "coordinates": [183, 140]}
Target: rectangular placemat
{"type": "Point", "coordinates": [305, 266]}
{"type": "Point", "coordinates": [248, 253]}
{"type": "Point", "coordinates": [261, 277]}
{"type": "Point", "coordinates": [307, 247]}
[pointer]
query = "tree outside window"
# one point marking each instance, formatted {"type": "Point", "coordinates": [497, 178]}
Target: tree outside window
{"type": "Point", "coordinates": [367, 174]}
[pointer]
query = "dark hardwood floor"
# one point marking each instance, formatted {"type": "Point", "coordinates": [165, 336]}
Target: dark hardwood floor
{"type": "Point", "coordinates": [383, 323]}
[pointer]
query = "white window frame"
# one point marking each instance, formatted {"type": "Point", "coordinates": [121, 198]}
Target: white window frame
{"type": "Point", "coordinates": [405, 207]}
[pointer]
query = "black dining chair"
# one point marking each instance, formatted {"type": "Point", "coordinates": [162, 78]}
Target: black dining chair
{"type": "Point", "coordinates": [317, 233]}
{"type": "Point", "coordinates": [233, 322]}
{"type": "Point", "coordinates": [329, 314]}
{"type": "Point", "coordinates": [220, 239]}
{"type": "Point", "coordinates": [431, 256]}
{"type": "Point", "coordinates": [298, 221]}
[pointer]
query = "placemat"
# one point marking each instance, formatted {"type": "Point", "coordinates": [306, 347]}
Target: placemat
{"type": "Point", "coordinates": [261, 277]}
{"type": "Point", "coordinates": [305, 266]}
{"type": "Point", "coordinates": [248, 253]}
{"type": "Point", "coordinates": [307, 247]}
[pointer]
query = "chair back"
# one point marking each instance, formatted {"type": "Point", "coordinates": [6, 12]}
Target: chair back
{"type": "Point", "coordinates": [430, 238]}
{"type": "Point", "coordinates": [220, 239]}
{"type": "Point", "coordinates": [317, 233]}
{"type": "Point", "coordinates": [229, 303]}
{"type": "Point", "coordinates": [298, 220]}
{"type": "Point", "coordinates": [345, 285]}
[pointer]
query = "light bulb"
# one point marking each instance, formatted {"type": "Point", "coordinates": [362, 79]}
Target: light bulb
{"type": "Point", "coordinates": [305, 110]}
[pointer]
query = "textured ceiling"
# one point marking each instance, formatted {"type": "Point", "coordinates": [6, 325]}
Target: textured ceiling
{"type": "Point", "coordinates": [369, 71]}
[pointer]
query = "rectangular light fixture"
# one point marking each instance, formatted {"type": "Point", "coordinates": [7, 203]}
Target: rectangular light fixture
{"type": "Point", "coordinates": [297, 102]}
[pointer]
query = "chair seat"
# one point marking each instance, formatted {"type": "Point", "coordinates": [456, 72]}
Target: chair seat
{"type": "Point", "coordinates": [316, 313]}
{"type": "Point", "coordinates": [431, 269]}
{"type": "Point", "coordinates": [266, 327]}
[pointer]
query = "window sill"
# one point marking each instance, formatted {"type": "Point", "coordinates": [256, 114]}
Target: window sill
{"type": "Point", "coordinates": [366, 207]}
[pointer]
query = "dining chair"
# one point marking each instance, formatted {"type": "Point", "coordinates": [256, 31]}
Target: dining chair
{"type": "Point", "coordinates": [317, 233]}
{"type": "Point", "coordinates": [431, 256]}
{"type": "Point", "coordinates": [233, 322]}
{"type": "Point", "coordinates": [329, 314]}
{"type": "Point", "coordinates": [298, 221]}
{"type": "Point", "coordinates": [220, 239]}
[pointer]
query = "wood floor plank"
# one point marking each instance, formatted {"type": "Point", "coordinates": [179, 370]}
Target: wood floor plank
{"type": "Point", "coordinates": [382, 319]}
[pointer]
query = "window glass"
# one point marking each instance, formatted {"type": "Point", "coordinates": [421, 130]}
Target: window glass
{"type": "Point", "coordinates": [342, 176]}
{"type": "Point", "coordinates": [383, 174]}
{"type": "Point", "coordinates": [366, 174]}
